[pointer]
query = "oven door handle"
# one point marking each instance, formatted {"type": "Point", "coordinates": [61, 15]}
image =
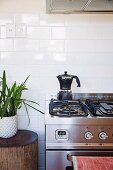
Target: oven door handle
{"type": "Point", "coordinates": [89, 153]}
{"type": "Point", "coordinates": [69, 157]}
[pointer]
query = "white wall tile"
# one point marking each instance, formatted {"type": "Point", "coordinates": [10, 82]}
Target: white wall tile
{"type": "Point", "coordinates": [40, 84]}
{"type": "Point", "coordinates": [107, 32]}
{"type": "Point", "coordinates": [99, 32]}
{"type": "Point", "coordinates": [0, 59]}
{"type": "Point", "coordinates": [23, 122]}
{"type": "Point", "coordinates": [3, 31]}
{"type": "Point", "coordinates": [88, 32]}
{"type": "Point", "coordinates": [51, 20]}
{"type": "Point", "coordinates": [33, 123]}
{"type": "Point", "coordinates": [18, 58]}
{"type": "Point", "coordinates": [90, 60]}
{"type": "Point", "coordinates": [6, 18]}
{"type": "Point", "coordinates": [77, 19]}
{"type": "Point", "coordinates": [58, 33]}
{"type": "Point", "coordinates": [26, 45]}
{"type": "Point", "coordinates": [30, 57]}
{"type": "Point", "coordinates": [102, 84]}
{"type": "Point", "coordinates": [59, 58]}
{"type": "Point", "coordinates": [39, 32]}
{"type": "Point", "coordinates": [101, 19]}
{"type": "Point", "coordinates": [93, 46]}
{"type": "Point", "coordinates": [94, 32]}
{"type": "Point", "coordinates": [6, 45]}
{"type": "Point", "coordinates": [52, 45]}
{"type": "Point", "coordinates": [77, 32]}
{"type": "Point", "coordinates": [29, 19]}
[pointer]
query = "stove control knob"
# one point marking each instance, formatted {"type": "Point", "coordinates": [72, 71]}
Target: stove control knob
{"type": "Point", "coordinates": [103, 135]}
{"type": "Point", "coordinates": [88, 135]}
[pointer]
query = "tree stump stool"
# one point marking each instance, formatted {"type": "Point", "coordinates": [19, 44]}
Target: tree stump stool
{"type": "Point", "coordinates": [19, 152]}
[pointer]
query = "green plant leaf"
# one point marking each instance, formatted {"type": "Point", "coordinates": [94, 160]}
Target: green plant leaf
{"type": "Point", "coordinates": [31, 101]}
{"type": "Point", "coordinates": [11, 98]}
{"type": "Point", "coordinates": [26, 112]}
{"type": "Point", "coordinates": [5, 106]}
{"type": "Point", "coordinates": [4, 85]}
{"type": "Point", "coordinates": [34, 108]}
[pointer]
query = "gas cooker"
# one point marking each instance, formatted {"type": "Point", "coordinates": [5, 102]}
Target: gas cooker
{"type": "Point", "coordinates": [56, 116]}
{"type": "Point", "coordinates": [77, 108]}
{"type": "Point", "coordinates": [67, 134]}
{"type": "Point", "coordinates": [81, 132]}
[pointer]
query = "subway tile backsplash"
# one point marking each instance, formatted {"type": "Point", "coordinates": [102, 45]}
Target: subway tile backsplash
{"type": "Point", "coordinates": [26, 45]}
{"type": "Point", "coordinates": [28, 19]}
{"type": "Point", "coordinates": [52, 20]}
{"type": "Point", "coordinates": [6, 45]}
{"type": "Point", "coordinates": [39, 32]}
{"type": "Point", "coordinates": [46, 45]}
{"type": "Point", "coordinates": [58, 33]}
{"type": "Point", "coordinates": [6, 18]}
{"type": "Point", "coordinates": [3, 31]}
{"type": "Point", "coordinates": [52, 45]}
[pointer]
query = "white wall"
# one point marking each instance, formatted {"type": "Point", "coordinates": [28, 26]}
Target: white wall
{"type": "Point", "coordinates": [82, 44]}
{"type": "Point", "coordinates": [14, 6]}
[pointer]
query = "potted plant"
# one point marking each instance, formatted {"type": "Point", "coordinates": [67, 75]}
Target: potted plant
{"type": "Point", "coordinates": [10, 101]}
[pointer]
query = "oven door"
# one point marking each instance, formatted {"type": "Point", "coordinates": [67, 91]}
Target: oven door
{"type": "Point", "coordinates": [58, 159]}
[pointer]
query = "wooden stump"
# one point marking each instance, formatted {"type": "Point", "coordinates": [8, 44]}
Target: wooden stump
{"type": "Point", "coordinates": [19, 152]}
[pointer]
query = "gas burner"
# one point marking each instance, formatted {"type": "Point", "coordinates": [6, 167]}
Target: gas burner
{"type": "Point", "coordinates": [101, 108]}
{"type": "Point", "coordinates": [67, 108]}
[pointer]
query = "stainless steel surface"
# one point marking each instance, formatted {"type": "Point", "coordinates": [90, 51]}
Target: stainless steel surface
{"type": "Point", "coordinates": [80, 137]}
{"type": "Point", "coordinates": [86, 136]}
{"type": "Point", "coordinates": [79, 120]}
{"type": "Point", "coordinates": [57, 159]}
{"type": "Point", "coordinates": [83, 132]}
{"type": "Point", "coordinates": [74, 6]}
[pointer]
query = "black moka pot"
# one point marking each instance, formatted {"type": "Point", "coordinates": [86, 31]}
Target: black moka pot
{"type": "Point", "coordinates": [65, 81]}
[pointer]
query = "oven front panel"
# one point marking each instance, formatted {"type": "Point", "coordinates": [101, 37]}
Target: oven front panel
{"type": "Point", "coordinates": [79, 137]}
{"type": "Point", "coordinates": [58, 159]}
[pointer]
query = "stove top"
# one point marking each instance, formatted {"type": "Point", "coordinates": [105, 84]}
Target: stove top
{"type": "Point", "coordinates": [101, 108]}
{"type": "Point", "coordinates": [83, 109]}
{"type": "Point", "coordinates": [67, 108]}
{"type": "Point", "coordinates": [95, 106]}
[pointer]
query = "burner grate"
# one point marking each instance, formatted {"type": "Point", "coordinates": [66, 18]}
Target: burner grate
{"type": "Point", "coordinates": [67, 108]}
{"type": "Point", "coordinates": [101, 108]}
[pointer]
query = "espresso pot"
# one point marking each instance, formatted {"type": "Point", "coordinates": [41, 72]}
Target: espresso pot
{"type": "Point", "coordinates": [65, 81]}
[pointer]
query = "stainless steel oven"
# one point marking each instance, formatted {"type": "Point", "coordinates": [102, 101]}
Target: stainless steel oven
{"type": "Point", "coordinates": [89, 135]}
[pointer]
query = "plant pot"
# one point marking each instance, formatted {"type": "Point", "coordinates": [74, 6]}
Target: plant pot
{"type": "Point", "coordinates": [8, 126]}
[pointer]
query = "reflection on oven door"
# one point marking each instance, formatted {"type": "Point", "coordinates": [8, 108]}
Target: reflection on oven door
{"type": "Point", "coordinates": [57, 160]}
